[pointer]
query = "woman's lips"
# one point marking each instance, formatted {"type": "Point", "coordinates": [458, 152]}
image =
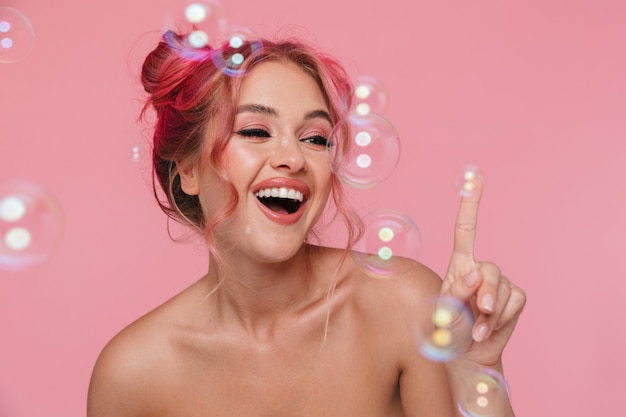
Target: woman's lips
{"type": "Point", "coordinates": [295, 191]}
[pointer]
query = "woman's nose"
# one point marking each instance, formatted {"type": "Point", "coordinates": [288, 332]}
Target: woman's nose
{"type": "Point", "coordinates": [288, 155]}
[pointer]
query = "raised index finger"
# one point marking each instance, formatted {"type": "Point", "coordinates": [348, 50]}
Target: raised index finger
{"type": "Point", "coordinates": [467, 218]}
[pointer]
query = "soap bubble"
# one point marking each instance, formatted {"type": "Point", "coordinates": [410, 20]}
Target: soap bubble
{"type": "Point", "coordinates": [203, 22]}
{"type": "Point", "coordinates": [468, 180]}
{"type": "Point", "coordinates": [138, 153]}
{"type": "Point", "coordinates": [484, 393]}
{"type": "Point", "coordinates": [135, 153]}
{"type": "Point", "coordinates": [30, 224]}
{"type": "Point", "coordinates": [239, 44]}
{"type": "Point", "coordinates": [17, 36]}
{"type": "Point", "coordinates": [365, 150]}
{"type": "Point", "coordinates": [369, 96]}
{"type": "Point", "coordinates": [448, 332]}
{"type": "Point", "coordinates": [389, 238]}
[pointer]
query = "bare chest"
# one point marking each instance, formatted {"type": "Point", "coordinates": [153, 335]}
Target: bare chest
{"type": "Point", "coordinates": [347, 377]}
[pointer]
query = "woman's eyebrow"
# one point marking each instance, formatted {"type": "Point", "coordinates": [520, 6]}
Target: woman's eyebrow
{"type": "Point", "coordinates": [269, 111]}
{"type": "Point", "coordinates": [319, 114]}
{"type": "Point", "coordinates": [257, 108]}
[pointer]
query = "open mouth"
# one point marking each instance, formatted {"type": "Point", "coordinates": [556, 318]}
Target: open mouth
{"type": "Point", "coordinates": [280, 200]}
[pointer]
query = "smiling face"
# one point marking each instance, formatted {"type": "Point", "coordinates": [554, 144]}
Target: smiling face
{"type": "Point", "coordinates": [277, 162]}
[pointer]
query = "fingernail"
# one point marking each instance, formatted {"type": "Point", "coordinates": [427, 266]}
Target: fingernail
{"type": "Point", "coordinates": [471, 278]}
{"type": "Point", "coordinates": [480, 332]}
{"type": "Point", "coordinates": [488, 302]}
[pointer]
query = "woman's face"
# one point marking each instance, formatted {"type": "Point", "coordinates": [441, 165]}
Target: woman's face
{"type": "Point", "coordinates": [277, 161]}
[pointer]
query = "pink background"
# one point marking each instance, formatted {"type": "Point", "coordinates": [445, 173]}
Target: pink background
{"type": "Point", "coordinates": [533, 92]}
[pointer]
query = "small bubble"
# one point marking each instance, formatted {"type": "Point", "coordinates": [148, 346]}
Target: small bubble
{"type": "Point", "coordinates": [240, 45]}
{"type": "Point", "coordinates": [483, 393]}
{"type": "Point", "coordinates": [18, 36]}
{"type": "Point", "coordinates": [136, 153]}
{"type": "Point", "coordinates": [449, 331]}
{"type": "Point", "coordinates": [468, 180]}
{"type": "Point", "coordinates": [389, 242]}
{"type": "Point", "coordinates": [369, 96]}
{"type": "Point", "coordinates": [30, 224]}
{"type": "Point", "coordinates": [203, 22]}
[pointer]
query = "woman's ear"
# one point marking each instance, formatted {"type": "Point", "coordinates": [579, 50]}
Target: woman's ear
{"type": "Point", "coordinates": [189, 180]}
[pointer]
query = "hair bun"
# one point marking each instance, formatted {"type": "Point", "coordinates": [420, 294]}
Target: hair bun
{"type": "Point", "coordinates": [168, 65]}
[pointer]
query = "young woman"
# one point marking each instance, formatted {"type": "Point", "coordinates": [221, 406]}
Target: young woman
{"type": "Point", "coordinates": [279, 326]}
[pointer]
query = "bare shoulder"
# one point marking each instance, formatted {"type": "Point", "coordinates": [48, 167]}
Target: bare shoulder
{"type": "Point", "coordinates": [131, 368]}
{"type": "Point", "coordinates": [391, 303]}
{"type": "Point", "coordinates": [407, 290]}
{"type": "Point", "coordinates": [390, 309]}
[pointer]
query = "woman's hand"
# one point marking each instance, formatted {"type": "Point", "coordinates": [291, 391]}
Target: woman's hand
{"type": "Point", "coordinates": [494, 300]}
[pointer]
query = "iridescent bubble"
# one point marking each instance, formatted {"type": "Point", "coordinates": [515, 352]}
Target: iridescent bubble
{"type": "Point", "coordinates": [448, 332]}
{"type": "Point", "coordinates": [468, 180]}
{"type": "Point", "coordinates": [137, 153]}
{"type": "Point", "coordinates": [30, 224]}
{"type": "Point", "coordinates": [17, 36]}
{"type": "Point", "coordinates": [239, 45]}
{"type": "Point", "coordinates": [365, 150]}
{"type": "Point", "coordinates": [484, 393]}
{"type": "Point", "coordinates": [369, 96]}
{"type": "Point", "coordinates": [390, 243]}
{"type": "Point", "coordinates": [203, 22]}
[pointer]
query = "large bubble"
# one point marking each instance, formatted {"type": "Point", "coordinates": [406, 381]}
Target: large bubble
{"type": "Point", "coordinates": [365, 150]}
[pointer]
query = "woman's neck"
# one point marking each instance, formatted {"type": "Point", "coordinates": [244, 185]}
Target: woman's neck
{"type": "Point", "coordinates": [259, 294]}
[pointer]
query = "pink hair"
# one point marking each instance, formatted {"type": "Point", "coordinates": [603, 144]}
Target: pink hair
{"type": "Point", "coordinates": [193, 98]}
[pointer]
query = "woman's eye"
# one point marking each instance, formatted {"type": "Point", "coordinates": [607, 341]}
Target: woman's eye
{"type": "Point", "coordinates": [316, 140]}
{"type": "Point", "coordinates": [254, 133]}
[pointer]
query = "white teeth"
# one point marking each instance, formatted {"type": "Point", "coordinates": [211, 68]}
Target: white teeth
{"type": "Point", "coordinates": [281, 192]}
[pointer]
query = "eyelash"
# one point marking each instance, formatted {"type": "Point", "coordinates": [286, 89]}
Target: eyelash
{"type": "Point", "coordinates": [254, 133]}
{"type": "Point", "coordinates": [317, 140]}
{"type": "Point", "coordinates": [261, 133]}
